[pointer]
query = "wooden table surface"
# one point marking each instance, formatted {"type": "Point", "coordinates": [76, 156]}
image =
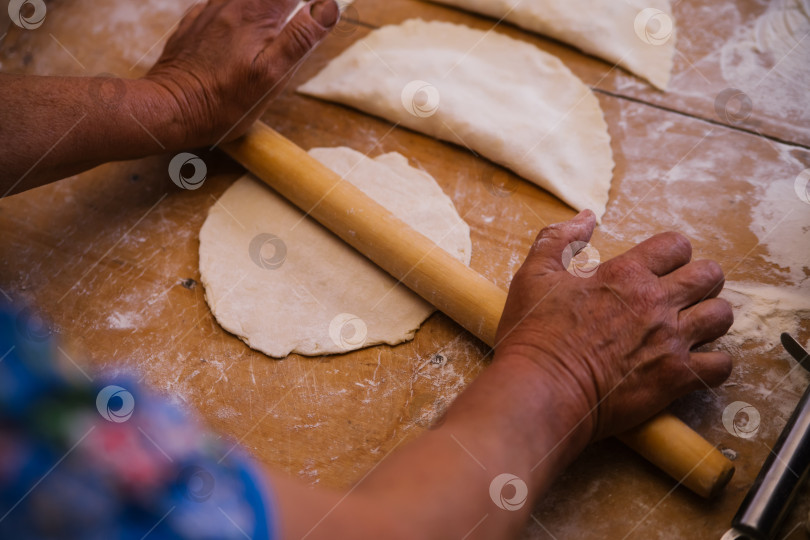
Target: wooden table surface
{"type": "Point", "coordinates": [110, 258]}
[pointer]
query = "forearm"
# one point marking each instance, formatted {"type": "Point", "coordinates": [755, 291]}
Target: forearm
{"type": "Point", "coordinates": [53, 127]}
{"type": "Point", "coordinates": [510, 420]}
{"type": "Point", "coordinates": [513, 419]}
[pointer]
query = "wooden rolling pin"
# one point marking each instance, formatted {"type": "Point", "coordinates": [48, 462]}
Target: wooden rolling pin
{"type": "Point", "coordinates": [457, 290]}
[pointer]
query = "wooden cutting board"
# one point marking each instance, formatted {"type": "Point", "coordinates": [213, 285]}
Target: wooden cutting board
{"type": "Point", "coordinates": [110, 256]}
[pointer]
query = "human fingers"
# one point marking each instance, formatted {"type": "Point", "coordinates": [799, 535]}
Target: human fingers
{"type": "Point", "coordinates": [547, 251]}
{"type": "Point", "coordinates": [693, 282]}
{"type": "Point", "coordinates": [706, 369]}
{"type": "Point", "coordinates": [705, 321]}
{"type": "Point", "coordinates": [307, 27]}
{"type": "Point", "coordinates": [190, 17]}
{"type": "Point", "coordinates": [274, 12]}
{"type": "Point", "coordinates": [662, 253]}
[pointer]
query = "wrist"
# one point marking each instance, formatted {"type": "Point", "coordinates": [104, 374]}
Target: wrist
{"type": "Point", "coordinates": [555, 395]}
{"type": "Point", "coordinates": [160, 112]}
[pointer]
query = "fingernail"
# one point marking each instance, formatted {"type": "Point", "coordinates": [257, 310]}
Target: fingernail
{"type": "Point", "coordinates": [325, 12]}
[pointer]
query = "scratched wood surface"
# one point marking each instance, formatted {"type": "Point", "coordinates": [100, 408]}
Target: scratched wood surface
{"type": "Point", "coordinates": [110, 259]}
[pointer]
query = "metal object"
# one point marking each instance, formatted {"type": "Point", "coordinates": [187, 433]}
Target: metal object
{"type": "Point", "coordinates": [796, 351]}
{"type": "Point", "coordinates": [786, 467]}
{"type": "Point", "coordinates": [734, 534]}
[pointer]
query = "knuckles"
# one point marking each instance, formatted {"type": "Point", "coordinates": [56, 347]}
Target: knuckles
{"type": "Point", "coordinates": [545, 238]}
{"type": "Point", "coordinates": [302, 37]}
{"type": "Point", "coordinates": [273, 13]}
{"type": "Point", "coordinates": [550, 231]}
{"type": "Point", "coordinates": [631, 280]}
{"type": "Point", "coordinates": [622, 270]}
{"type": "Point", "coordinates": [711, 272]}
{"type": "Point", "coordinates": [554, 232]}
{"type": "Point", "coordinates": [723, 315]}
{"type": "Point", "coordinates": [680, 245]}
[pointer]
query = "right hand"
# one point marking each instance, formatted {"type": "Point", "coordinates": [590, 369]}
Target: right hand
{"type": "Point", "coordinates": [621, 341]}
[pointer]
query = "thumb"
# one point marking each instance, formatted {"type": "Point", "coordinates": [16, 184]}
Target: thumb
{"type": "Point", "coordinates": [302, 33]}
{"type": "Point", "coordinates": [546, 253]}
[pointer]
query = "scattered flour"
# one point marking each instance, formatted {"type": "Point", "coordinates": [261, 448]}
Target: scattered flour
{"type": "Point", "coordinates": [122, 321]}
{"type": "Point", "coordinates": [781, 221]}
{"type": "Point", "coordinates": [133, 34]}
{"type": "Point", "coordinates": [763, 312]}
{"type": "Point", "coordinates": [768, 59]}
{"type": "Point", "coordinates": [693, 192]}
{"type": "Point", "coordinates": [227, 412]}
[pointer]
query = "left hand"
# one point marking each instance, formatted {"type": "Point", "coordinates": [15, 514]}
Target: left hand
{"type": "Point", "coordinates": [229, 58]}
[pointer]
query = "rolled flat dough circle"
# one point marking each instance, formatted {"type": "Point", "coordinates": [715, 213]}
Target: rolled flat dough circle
{"type": "Point", "coordinates": [283, 283]}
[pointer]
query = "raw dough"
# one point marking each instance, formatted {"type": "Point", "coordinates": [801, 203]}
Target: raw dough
{"type": "Point", "coordinates": [283, 283]}
{"type": "Point", "coordinates": [638, 35]}
{"type": "Point", "coordinates": [503, 98]}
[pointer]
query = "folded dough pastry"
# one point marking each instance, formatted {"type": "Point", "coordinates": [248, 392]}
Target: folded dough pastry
{"type": "Point", "coordinates": [638, 35]}
{"type": "Point", "coordinates": [504, 99]}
